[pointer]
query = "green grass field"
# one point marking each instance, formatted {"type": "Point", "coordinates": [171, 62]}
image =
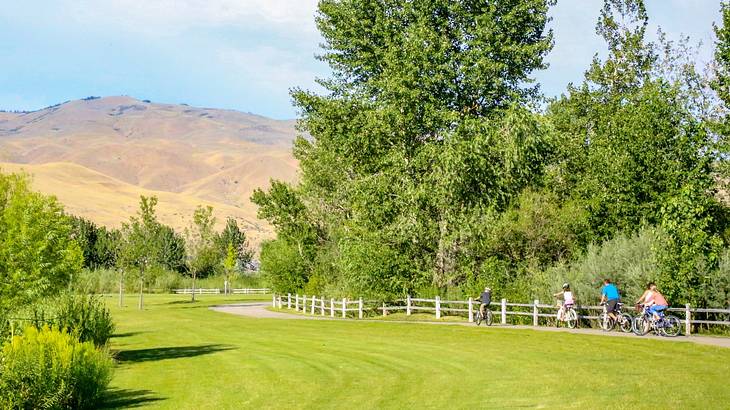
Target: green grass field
{"type": "Point", "coordinates": [179, 355]}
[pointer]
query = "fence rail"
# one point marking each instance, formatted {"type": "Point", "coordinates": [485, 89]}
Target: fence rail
{"type": "Point", "coordinates": [216, 291]}
{"type": "Point", "coordinates": [197, 291]}
{"type": "Point", "coordinates": [251, 291]}
{"type": "Point", "coordinates": [340, 307]}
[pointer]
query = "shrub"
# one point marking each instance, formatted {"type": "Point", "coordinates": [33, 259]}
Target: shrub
{"type": "Point", "coordinates": [87, 317]}
{"type": "Point", "coordinates": [49, 368]}
{"type": "Point", "coordinates": [627, 260]}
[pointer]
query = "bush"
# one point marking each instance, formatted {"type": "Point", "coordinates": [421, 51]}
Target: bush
{"type": "Point", "coordinates": [86, 317]}
{"type": "Point", "coordinates": [629, 261]}
{"type": "Point", "coordinates": [48, 368]}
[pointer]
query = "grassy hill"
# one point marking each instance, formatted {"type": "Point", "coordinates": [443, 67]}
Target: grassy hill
{"type": "Point", "coordinates": [109, 201]}
{"type": "Point", "coordinates": [98, 155]}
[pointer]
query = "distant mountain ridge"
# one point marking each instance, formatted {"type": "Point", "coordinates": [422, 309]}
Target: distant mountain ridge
{"type": "Point", "coordinates": [217, 156]}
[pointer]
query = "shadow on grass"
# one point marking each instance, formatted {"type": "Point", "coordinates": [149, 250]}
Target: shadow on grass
{"type": "Point", "coordinates": [126, 334]}
{"type": "Point", "coordinates": [125, 398]}
{"type": "Point", "coordinates": [164, 353]}
{"type": "Point", "coordinates": [181, 302]}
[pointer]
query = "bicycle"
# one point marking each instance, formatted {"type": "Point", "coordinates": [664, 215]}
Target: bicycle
{"type": "Point", "coordinates": [666, 325]}
{"type": "Point", "coordinates": [486, 318]}
{"type": "Point", "coordinates": [567, 314]}
{"type": "Point", "coordinates": [624, 320]}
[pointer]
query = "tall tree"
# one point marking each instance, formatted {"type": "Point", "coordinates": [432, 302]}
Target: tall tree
{"type": "Point", "coordinates": [139, 250]}
{"type": "Point", "coordinates": [634, 151]}
{"type": "Point", "coordinates": [202, 254]}
{"type": "Point", "coordinates": [37, 254]}
{"type": "Point", "coordinates": [233, 237]}
{"type": "Point", "coordinates": [423, 130]}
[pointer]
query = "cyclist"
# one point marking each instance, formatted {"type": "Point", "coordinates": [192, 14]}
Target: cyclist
{"type": "Point", "coordinates": [655, 300]}
{"type": "Point", "coordinates": [567, 300]}
{"type": "Point", "coordinates": [610, 296]}
{"type": "Point", "coordinates": [485, 300]}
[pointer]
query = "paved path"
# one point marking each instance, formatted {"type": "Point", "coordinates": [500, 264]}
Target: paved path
{"type": "Point", "coordinates": [260, 310]}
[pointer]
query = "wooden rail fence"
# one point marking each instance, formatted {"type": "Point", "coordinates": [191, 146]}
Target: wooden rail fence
{"type": "Point", "coordinates": [535, 310]}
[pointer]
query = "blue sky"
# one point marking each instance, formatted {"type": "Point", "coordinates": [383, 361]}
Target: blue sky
{"type": "Point", "coordinates": [239, 54]}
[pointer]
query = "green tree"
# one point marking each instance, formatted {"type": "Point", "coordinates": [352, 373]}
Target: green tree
{"type": "Point", "coordinates": [233, 237]}
{"type": "Point", "coordinates": [170, 249]}
{"type": "Point", "coordinates": [203, 257]}
{"type": "Point", "coordinates": [627, 140]}
{"type": "Point", "coordinates": [635, 149]}
{"type": "Point", "coordinates": [423, 129]}
{"type": "Point", "coordinates": [139, 251]}
{"type": "Point", "coordinates": [37, 254]}
{"type": "Point", "coordinates": [99, 244]}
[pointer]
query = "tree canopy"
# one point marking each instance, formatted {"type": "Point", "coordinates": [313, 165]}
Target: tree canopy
{"type": "Point", "coordinates": [429, 162]}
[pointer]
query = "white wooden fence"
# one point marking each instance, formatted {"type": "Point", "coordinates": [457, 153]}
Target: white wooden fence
{"type": "Point", "coordinates": [198, 291]}
{"type": "Point", "coordinates": [535, 310]}
{"type": "Point", "coordinates": [251, 291]}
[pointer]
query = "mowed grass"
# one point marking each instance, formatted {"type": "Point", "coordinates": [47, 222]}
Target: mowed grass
{"type": "Point", "coordinates": [178, 355]}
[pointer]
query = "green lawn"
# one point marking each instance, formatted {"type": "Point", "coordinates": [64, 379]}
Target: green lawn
{"type": "Point", "coordinates": [179, 355]}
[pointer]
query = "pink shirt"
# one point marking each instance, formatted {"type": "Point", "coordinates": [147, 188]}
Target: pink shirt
{"type": "Point", "coordinates": [659, 299]}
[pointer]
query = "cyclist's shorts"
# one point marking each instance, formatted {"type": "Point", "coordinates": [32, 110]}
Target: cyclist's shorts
{"type": "Point", "coordinates": [611, 305]}
{"type": "Point", "coordinates": [658, 309]}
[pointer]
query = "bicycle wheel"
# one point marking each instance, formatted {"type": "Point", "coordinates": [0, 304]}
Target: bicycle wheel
{"type": "Point", "coordinates": [478, 318]}
{"type": "Point", "coordinates": [641, 326]}
{"type": "Point", "coordinates": [672, 326]}
{"type": "Point", "coordinates": [571, 319]}
{"type": "Point", "coordinates": [489, 318]}
{"type": "Point", "coordinates": [626, 323]}
{"type": "Point", "coordinates": [605, 322]}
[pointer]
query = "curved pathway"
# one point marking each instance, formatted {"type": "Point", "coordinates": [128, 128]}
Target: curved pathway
{"type": "Point", "coordinates": [260, 310]}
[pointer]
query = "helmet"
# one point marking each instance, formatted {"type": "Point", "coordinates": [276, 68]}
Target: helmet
{"type": "Point", "coordinates": [566, 285]}
{"type": "Point", "coordinates": [488, 289]}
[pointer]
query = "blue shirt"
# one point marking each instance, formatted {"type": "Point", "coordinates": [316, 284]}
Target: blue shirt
{"type": "Point", "coordinates": [610, 291]}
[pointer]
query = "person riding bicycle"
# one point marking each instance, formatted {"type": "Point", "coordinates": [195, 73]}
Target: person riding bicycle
{"type": "Point", "coordinates": [567, 299]}
{"type": "Point", "coordinates": [485, 300]}
{"type": "Point", "coordinates": [655, 300]}
{"type": "Point", "coordinates": [610, 296]}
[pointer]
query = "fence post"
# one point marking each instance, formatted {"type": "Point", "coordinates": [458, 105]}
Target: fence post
{"type": "Point", "coordinates": [359, 309]}
{"type": "Point", "coordinates": [321, 305]}
{"type": "Point", "coordinates": [534, 312]}
{"type": "Point", "coordinates": [408, 305]}
{"type": "Point", "coordinates": [314, 300]}
{"type": "Point", "coordinates": [385, 312]}
{"type": "Point", "coordinates": [296, 302]}
{"type": "Point", "coordinates": [332, 307]}
{"type": "Point", "coordinates": [504, 311]}
{"type": "Point", "coordinates": [438, 307]}
{"type": "Point", "coordinates": [304, 304]}
{"type": "Point", "coordinates": [344, 308]}
{"type": "Point", "coordinates": [687, 320]}
{"type": "Point", "coordinates": [288, 300]}
{"type": "Point", "coordinates": [471, 311]}
{"type": "Point", "coordinates": [273, 300]}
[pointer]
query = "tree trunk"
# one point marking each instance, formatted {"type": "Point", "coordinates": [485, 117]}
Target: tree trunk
{"type": "Point", "coordinates": [121, 289]}
{"type": "Point", "coordinates": [194, 286]}
{"type": "Point", "coordinates": [141, 288]}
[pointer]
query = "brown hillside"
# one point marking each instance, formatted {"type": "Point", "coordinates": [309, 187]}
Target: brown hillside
{"type": "Point", "coordinates": [98, 155]}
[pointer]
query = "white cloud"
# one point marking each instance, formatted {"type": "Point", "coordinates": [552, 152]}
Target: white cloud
{"type": "Point", "coordinates": [173, 16]}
